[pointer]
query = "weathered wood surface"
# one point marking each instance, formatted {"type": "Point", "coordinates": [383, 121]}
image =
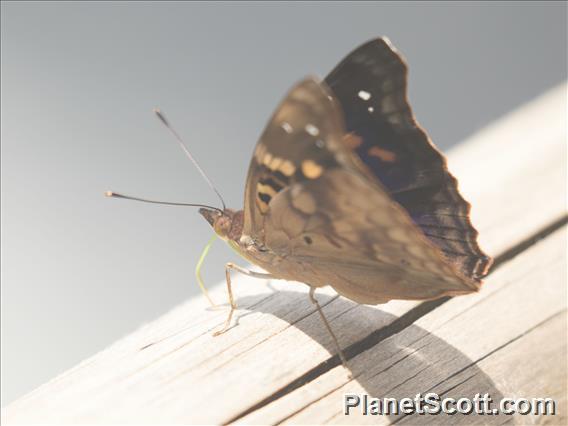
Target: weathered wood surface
{"type": "Point", "coordinates": [277, 365]}
{"type": "Point", "coordinates": [509, 340]}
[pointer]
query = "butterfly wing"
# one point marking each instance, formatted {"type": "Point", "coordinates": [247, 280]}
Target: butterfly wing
{"type": "Point", "coordinates": [291, 143]}
{"type": "Point", "coordinates": [323, 217]}
{"type": "Point", "coordinates": [370, 85]}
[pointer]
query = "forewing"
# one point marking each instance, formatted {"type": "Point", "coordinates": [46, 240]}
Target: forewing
{"type": "Point", "coordinates": [370, 86]}
{"type": "Point", "coordinates": [301, 138]}
{"type": "Point", "coordinates": [311, 203]}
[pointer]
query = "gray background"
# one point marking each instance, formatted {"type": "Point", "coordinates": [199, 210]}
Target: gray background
{"type": "Point", "coordinates": [79, 81]}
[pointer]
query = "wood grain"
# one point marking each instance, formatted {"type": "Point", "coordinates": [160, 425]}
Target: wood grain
{"type": "Point", "coordinates": [459, 349]}
{"type": "Point", "coordinates": [277, 365]}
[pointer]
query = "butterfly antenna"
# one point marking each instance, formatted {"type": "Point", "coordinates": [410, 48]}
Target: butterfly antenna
{"type": "Point", "coordinates": [145, 200]}
{"type": "Point", "coordinates": [179, 140]}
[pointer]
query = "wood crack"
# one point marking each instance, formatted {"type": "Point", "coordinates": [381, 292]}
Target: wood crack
{"type": "Point", "coordinates": [473, 363]}
{"type": "Point", "coordinates": [504, 345]}
{"type": "Point", "coordinates": [278, 332]}
{"type": "Point", "coordinates": [528, 242]}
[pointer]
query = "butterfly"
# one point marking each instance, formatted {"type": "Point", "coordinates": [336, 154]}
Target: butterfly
{"type": "Point", "coordinates": [346, 189]}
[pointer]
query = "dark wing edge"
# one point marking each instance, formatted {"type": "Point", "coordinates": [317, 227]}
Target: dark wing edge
{"type": "Point", "coordinates": [371, 86]}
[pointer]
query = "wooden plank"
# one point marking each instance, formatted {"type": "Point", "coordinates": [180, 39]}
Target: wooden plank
{"type": "Point", "coordinates": [173, 370]}
{"type": "Point", "coordinates": [514, 171]}
{"type": "Point", "coordinates": [508, 341]}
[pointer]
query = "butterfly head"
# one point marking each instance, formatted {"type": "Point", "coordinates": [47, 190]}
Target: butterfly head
{"type": "Point", "coordinates": [228, 224]}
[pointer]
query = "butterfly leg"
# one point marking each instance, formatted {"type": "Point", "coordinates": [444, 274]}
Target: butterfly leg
{"type": "Point", "coordinates": [232, 303]}
{"type": "Point", "coordinates": [328, 326]}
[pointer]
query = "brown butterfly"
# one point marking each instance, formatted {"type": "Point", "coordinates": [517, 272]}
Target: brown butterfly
{"type": "Point", "coordinates": [346, 189]}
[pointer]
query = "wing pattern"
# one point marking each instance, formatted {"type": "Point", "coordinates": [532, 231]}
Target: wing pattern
{"type": "Point", "coordinates": [370, 86]}
{"type": "Point", "coordinates": [331, 221]}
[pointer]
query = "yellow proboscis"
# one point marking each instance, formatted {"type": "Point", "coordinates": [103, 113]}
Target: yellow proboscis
{"type": "Point", "coordinates": [198, 269]}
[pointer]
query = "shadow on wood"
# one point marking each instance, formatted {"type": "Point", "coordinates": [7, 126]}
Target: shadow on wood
{"type": "Point", "coordinates": [394, 367]}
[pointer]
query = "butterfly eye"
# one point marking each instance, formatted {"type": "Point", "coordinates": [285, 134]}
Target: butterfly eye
{"type": "Point", "coordinates": [308, 240]}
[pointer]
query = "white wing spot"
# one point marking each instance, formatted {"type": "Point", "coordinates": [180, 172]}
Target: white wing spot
{"type": "Point", "coordinates": [312, 130]}
{"type": "Point", "coordinates": [286, 126]}
{"type": "Point", "coordinates": [364, 95]}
